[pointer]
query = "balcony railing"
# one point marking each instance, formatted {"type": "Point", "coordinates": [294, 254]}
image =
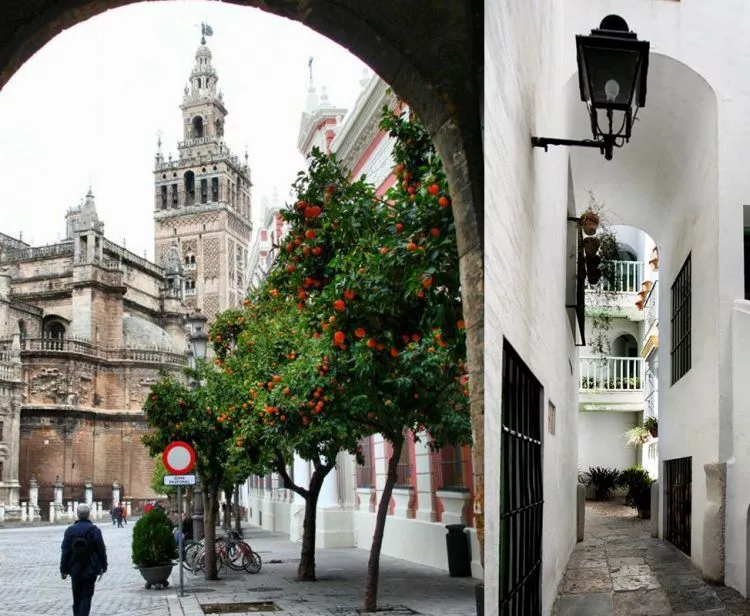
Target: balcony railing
{"type": "Point", "coordinates": [84, 347]}
{"type": "Point", "coordinates": [626, 277]}
{"type": "Point", "coordinates": [611, 374]}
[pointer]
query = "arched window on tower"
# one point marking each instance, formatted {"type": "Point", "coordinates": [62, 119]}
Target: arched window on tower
{"type": "Point", "coordinates": [197, 127]}
{"type": "Point", "coordinates": [204, 191]}
{"type": "Point", "coordinates": [189, 188]}
{"type": "Point", "coordinates": [214, 189]}
{"type": "Point", "coordinates": [54, 334]}
{"type": "Point", "coordinates": [164, 197]}
{"type": "Point", "coordinates": [175, 198]}
{"type": "Point", "coordinates": [219, 125]}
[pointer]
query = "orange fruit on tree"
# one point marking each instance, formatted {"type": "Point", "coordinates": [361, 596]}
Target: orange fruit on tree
{"type": "Point", "coordinates": [435, 232]}
{"type": "Point", "coordinates": [399, 227]}
{"type": "Point", "coordinates": [411, 247]}
{"type": "Point", "coordinates": [434, 189]}
{"type": "Point", "coordinates": [371, 343]}
{"type": "Point", "coordinates": [310, 234]}
{"type": "Point", "coordinates": [360, 332]}
{"type": "Point", "coordinates": [317, 251]}
{"type": "Point", "coordinates": [444, 201]}
{"type": "Point", "coordinates": [461, 324]}
{"type": "Point", "coordinates": [395, 353]}
{"type": "Point", "coordinates": [339, 305]}
{"type": "Point", "coordinates": [349, 294]}
{"type": "Point", "coordinates": [384, 250]}
{"type": "Point", "coordinates": [427, 282]}
{"type": "Point", "coordinates": [339, 337]}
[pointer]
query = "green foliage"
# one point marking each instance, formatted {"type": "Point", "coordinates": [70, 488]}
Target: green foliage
{"type": "Point", "coordinates": [157, 479]}
{"type": "Point", "coordinates": [637, 435]}
{"type": "Point", "coordinates": [652, 425]}
{"type": "Point", "coordinates": [153, 542]}
{"type": "Point", "coordinates": [603, 479]}
{"type": "Point", "coordinates": [638, 481]}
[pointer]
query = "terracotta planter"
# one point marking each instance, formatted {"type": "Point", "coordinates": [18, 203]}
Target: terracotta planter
{"type": "Point", "coordinates": [593, 273]}
{"type": "Point", "coordinates": [589, 222]}
{"type": "Point", "coordinates": [639, 304]}
{"type": "Point", "coordinates": [646, 285]}
{"type": "Point", "coordinates": [590, 246]}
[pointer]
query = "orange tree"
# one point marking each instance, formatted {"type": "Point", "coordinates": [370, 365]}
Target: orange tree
{"type": "Point", "coordinates": [290, 400]}
{"type": "Point", "coordinates": [200, 416]}
{"type": "Point", "coordinates": [375, 283]}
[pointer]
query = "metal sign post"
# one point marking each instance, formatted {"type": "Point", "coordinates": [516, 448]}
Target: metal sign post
{"type": "Point", "coordinates": [179, 513]}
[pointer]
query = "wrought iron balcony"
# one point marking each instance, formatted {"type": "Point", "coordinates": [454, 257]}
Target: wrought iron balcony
{"type": "Point", "coordinates": [611, 374]}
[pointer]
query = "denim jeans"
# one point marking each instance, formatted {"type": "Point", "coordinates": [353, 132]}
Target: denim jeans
{"type": "Point", "coordinates": [83, 592]}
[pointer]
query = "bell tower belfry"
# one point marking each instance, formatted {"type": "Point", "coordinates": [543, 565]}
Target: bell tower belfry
{"type": "Point", "coordinates": [203, 199]}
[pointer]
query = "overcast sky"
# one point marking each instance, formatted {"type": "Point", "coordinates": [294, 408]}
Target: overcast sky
{"type": "Point", "coordinates": [87, 108]}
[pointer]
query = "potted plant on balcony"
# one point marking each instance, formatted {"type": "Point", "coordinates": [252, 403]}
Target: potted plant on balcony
{"type": "Point", "coordinates": [638, 482]}
{"type": "Point", "coordinates": [637, 435]}
{"type": "Point", "coordinates": [652, 425]}
{"type": "Point", "coordinates": [154, 548]}
{"type": "Point", "coordinates": [589, 220]}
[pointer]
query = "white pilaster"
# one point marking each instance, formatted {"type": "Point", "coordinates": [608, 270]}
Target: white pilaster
{"type": "Point", "coordinates": [423, 457]}
{"type": "Point", "coordinates": [454, 505]}
{"type": "Point", "coordinates": [403, 498]}
{"type": "Point", "coordinates": [381, 463]}
{"type": "Point", "coordinates": [302, 479]}
{"type": "Point", "coordinates": [329, 492]}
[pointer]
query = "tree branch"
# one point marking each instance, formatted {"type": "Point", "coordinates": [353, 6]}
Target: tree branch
{"type": "Point", "coordinates": [288, 483]}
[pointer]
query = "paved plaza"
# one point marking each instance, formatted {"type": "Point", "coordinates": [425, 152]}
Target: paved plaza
{"type": "Point", "coordinates": [30, 583]}
{"type": "Point", "coordinates": [620, 570]}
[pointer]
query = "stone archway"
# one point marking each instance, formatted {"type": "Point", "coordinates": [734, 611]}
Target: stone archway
{"type": "Point", "coordinates": [435, 63]}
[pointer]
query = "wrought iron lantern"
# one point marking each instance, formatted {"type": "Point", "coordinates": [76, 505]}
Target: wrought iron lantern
{"type": "Point", "coordinates": [198, 337]}
{"type": "Point", "coordinates": [612, 72]}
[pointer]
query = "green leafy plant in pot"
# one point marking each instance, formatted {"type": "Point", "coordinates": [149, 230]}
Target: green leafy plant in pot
{"type": "Point", "coordinates": [604, 481]}
{"type": "Point", "coordinates": [638, 482]}
{"type": "Point", "coordinates": [154, 548]}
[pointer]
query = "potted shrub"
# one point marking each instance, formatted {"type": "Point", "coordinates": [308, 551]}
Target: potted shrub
{"type": "Point", "coordinates": [652, 425]}
{"type": "Point", "coordinates": [154, 548]}
{"type": "Point", "coordinates": [638, 482]}
{"type": "Point", "coordinates": [604, 481]}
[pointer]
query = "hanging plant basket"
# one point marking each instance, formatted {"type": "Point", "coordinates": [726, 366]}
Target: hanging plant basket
{"type": "Point", "coordinates": [589, 222]}
{"type": "Point", "coordinates": [646, 286]}
{"type": "Point", "coordinates": [654, 260]}
{"type": "Point", "coordinates": [590, 246]}
{"type": "Point", "coordinates": [593, 273]}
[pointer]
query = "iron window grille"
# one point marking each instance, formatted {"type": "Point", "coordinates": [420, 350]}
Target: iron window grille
{"type": "Point", "coordinates": [452, 465]}
{"type": "Point", "coordinates": [680, 352]}
{"type": "Point", "coordinates": [521, 489]}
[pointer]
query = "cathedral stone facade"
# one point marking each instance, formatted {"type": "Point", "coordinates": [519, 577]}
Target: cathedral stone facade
{"type": "Point", "coordinates": [86, 326]}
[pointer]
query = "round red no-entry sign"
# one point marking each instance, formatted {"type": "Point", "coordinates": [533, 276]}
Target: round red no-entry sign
{"type": "Point", "coordinates": [179, 458]}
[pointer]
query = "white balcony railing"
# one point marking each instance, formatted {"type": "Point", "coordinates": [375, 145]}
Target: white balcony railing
{"type": "Point", "coordinates": [626, 276]}
{"type": "Point", "coordinates": [611, 374]}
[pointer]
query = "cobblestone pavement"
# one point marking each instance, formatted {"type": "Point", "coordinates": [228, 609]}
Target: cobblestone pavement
{"type": "Point", "coordinates": [621, 570]}
{"type": "Point", "coordinates": [405, 588]}
{"type": "Point", "coordinates": [30, 583]}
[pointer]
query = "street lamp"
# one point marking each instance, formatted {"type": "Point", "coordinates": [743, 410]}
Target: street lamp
{"type": "Point", "coordinates": [198, 342]}
{"type": "Point", "coordinates": [612, 71]}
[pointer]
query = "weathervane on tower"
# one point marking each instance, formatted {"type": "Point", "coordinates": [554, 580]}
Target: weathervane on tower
{"type": "Point", "coordinates": [309, 67]}
{"type": "Point", "coordinates": [206, 30]}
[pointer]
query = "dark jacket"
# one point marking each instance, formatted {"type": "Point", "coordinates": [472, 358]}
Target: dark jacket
{"type": "Point", "coordinates": [94, 562]}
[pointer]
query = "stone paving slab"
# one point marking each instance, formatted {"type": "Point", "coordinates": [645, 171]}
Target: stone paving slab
{"type": "Point", "coordinates": [405, 587]}
{"type": "Point", "coordinates": [620, 570]}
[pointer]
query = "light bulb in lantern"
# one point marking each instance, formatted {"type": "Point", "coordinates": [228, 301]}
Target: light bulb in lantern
{"type": "Point", "coordinates": [611, 90]}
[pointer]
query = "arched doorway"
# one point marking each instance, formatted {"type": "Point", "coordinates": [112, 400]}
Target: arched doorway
{"type": "Point", "coordinates": [436, 64]}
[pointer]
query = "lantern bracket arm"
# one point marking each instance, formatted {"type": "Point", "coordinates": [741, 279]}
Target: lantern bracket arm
{"type": "Point", "coordinates": [544, 142]}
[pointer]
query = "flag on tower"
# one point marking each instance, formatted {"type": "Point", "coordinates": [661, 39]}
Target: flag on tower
{"type": "Point", "coordinates": [207, 30]}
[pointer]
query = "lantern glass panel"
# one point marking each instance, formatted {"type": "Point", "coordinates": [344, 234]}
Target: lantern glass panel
{"type": "Point", "coordinates": [612, 76]}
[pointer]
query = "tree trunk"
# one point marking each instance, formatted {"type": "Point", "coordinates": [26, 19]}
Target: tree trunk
{"type": "Point", "coordinates": [306, 568]}
{"type": "Point", "coordinates": [373, 565]}
{"type": "Point", "coordinates": [209, 528]}
{"type": "Point", "coordinates": [237, 516]}
{"type": "Point", "coordinates": [227, 520]}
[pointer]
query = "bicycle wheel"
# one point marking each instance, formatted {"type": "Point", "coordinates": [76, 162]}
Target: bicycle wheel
{"type": "Point", "coordinates": [234, 557]}
{"type": "Point", "coordinates": [252, 562]}
{"type": "Point", "coordinates": [189, 552]}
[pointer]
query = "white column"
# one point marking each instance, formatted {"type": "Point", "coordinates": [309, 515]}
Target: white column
{"type": "Point", "coordinates": [347, 465]}
{"type": "Point", "coordinates": [381, 464]}
{"type": "Point", "coordinates": [52, 513]}
{"type": "Point", "coordinates": [89, 493]}
{"type": "Point", "coordinates": [424, 478]}
{"type": "Point", "coordinates": [329, 492]}
{"type": "Point", "coordinates": [297, 511]}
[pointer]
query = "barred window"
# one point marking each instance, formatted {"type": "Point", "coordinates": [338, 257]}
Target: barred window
{"type": "Point", "coordinates": [366, 472]}
{"type": "Point", "coordinates": [680, 352]}
{"type": "Point", "coordinates": [403, 468]}
{"type": "Point", "coordinates": [452, 465]}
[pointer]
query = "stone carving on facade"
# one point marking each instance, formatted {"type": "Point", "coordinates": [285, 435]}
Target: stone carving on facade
{"type": "Point", "coordinates": [210, 306]}
{"type": "Point", "coordinates": [211, 258]}
{"type": "Point", "coordinates": [56, 387]}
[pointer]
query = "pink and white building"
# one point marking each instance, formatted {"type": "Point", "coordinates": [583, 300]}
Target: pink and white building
{"type": "Point", "coordinates": [433, 489]}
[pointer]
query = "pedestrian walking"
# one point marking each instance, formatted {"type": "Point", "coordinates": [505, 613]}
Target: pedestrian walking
{"type": "Point", "coordinates": [118, 516]}
{"type": "Point", "coordinates": [83, 557]}
{"type": "Point", "coordinates": [124, 510]}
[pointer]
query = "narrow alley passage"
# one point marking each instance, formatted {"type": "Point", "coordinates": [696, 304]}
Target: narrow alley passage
{"type": "Point", "coordinates": [621, 570]}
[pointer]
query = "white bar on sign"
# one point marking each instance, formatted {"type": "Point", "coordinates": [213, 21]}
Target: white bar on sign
{"type": "Point", "coordinates": [179, 480]}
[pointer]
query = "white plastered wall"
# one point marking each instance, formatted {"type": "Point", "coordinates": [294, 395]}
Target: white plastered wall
{"type": "Point", "coordinates": [601, 439]}
{"type": "Point", "coordinates": [525, 265]}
